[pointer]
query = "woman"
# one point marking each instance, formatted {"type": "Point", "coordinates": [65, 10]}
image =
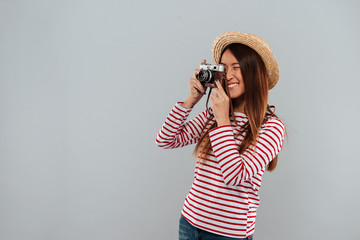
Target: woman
{"type": "Point", "coordinates": [237, 139]}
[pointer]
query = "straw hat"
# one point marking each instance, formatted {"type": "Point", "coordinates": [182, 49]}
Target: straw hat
{"type": "Point", "coordinates": [256, 43]}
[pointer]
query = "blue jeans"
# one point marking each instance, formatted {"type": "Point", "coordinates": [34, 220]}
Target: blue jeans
{"type": "Point", "coordinates": [189, 232]}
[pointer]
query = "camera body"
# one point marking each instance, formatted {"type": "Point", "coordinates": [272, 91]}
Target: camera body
{"type": "Point", "coordinates": [209, 73]}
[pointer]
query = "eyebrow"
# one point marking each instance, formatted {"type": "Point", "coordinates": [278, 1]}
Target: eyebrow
{"type": "Point", "coordinates": [232, 63]}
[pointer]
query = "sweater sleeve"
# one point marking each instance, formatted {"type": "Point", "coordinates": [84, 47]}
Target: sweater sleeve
{"type": "Point", "coordinates": [175, 132]}
{"type": "Point", "coordinates": [236, 167]}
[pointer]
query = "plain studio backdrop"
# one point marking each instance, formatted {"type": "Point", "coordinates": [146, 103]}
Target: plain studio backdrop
{"type": "Point", "coordinates": [86, 84]}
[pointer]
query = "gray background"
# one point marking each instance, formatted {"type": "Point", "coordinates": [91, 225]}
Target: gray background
{"type": "Point", "coordinates": [86, 84]}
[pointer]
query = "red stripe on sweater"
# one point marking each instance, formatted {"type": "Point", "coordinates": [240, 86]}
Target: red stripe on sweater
{"type": "Point", "coordinates": [222, 193]}
{"type": "Point", "coordinates": [214, 219]}
{"type": "Point", "coordinates": [221, 204]}
{"type": "Point", "coordinates": [211, 206]}
{"type": "Point", "coordinates": [177, 108]}
{"type": "Point", "coordinates": [213, 213]}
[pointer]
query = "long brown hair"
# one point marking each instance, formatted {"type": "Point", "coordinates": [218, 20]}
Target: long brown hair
{"type": "Point", "coordinates": [256, 102]}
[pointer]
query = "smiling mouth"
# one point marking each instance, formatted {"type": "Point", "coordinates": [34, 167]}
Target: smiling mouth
{"type": "Point", "coordinates": [233, 85]}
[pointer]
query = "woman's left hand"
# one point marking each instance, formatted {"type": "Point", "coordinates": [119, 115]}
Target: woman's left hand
{"type": "Point", "coordinates": [220, 103]}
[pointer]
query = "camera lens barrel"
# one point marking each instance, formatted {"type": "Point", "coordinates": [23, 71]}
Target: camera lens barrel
{"type": "Point", "coordinates": [204, 76]}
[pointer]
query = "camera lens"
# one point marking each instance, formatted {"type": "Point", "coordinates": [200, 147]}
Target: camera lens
{"type": "Point", "coordinates": [204, 76]}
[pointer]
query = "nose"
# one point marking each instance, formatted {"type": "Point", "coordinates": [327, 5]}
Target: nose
{"type": "Point", "coordinates": [229, 74]}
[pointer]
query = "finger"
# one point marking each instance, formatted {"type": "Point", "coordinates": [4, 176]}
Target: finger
{"type": "Point", "coordinates": [220, 88]}
{"type": "Point", "coordinates": [203, 61]}
{"type": "Point", "coordinates": [215, 93]}
{"type": "Point", "coordinates": [196, 72]}
{"type": "Point", "coordinates": [218, 84]}
{"type": "Point", "coordinates": [194, 84]}
{"type": "Point", "coordinates": [198, 85]}
{"type": "Point", "coordinates": [213, 99]}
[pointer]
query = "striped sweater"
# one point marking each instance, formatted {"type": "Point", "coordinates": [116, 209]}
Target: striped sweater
{"type": "Point", "coordinates": [224, 196]}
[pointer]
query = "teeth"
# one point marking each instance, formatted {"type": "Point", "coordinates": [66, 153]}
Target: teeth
{"type": "Point", "coordinates": [233, 85]}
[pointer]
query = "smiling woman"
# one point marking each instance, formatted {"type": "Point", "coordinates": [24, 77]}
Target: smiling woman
{"type": "Point", "coordinates": [234, 77]}
{"type": "Point", "coordinates": [237, 140]}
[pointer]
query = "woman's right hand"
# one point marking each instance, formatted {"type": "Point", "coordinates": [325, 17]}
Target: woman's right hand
{"type": "Point", "coordinates": [196, 90]}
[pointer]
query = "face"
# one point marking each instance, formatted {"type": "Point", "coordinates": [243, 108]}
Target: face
{"type": "Point", "coordinates": [233, 74]}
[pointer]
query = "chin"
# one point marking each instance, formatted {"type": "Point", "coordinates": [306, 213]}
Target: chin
{"type": "Point", "coordinates": [236, 95]}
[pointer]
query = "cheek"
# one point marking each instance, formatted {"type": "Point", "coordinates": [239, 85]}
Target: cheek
{"type": "Point", "coordinates": [242, 86]}
{"type": "Point", "coordinates": [239, 76]}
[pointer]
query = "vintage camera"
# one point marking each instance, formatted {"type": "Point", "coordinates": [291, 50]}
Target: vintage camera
{"type": "Point", "coordinates": [209, 73]}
